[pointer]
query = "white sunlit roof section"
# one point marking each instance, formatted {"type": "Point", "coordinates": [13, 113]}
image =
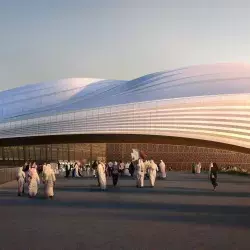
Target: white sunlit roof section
{"type": "Point", "coordinates": [33, 98]}
{"type": "Point", "coordinates": [208, 102]}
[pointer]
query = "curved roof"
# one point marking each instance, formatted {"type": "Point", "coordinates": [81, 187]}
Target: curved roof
{"type": "Point", "coordinates": [208, 102]}
{"type": "Point", "coordinates": [44, 99]}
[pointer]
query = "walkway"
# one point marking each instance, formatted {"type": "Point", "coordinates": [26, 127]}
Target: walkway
{"type": "Point", "coordinates": [180, 213]}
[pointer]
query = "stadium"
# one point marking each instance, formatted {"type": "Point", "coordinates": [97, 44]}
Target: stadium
{"type": "Point", "coordinates": [197, 113]}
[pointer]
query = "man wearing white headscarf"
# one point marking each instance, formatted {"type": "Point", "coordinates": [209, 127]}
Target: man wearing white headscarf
{"type": "Point", "coordinates": [198, 168]}
{"type": "Point", "coordinates": [76, 173]}
{"type": "Point", "coordinates": [102, 175]}
{"type": "Point", "coordinates": [140, 169]}
{"type": "Point", "coordinates": [209, 169]}
{"type": "Point", "coordinates": [163, 169]}
{"type": "Point", "coordinates": [49, 180]}
{"type": "Point", "coordinates": [126, 171]}
{"type": "Point", "coordinates": [33, 180]}
{"type": "Point", "coordinates": [20, 177]}
{"type": "Point", "coordinates": [152, 172]}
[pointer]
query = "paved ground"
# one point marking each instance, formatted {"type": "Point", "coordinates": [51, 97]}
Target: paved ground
{"type": "Point", "coordinates": [180, 213]}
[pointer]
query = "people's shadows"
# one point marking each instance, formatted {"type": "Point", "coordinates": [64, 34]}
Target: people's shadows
{"type": "Point", "coordinates": [161, 190]}
{"type": "Point", "coordinates": [241, 221]}
{"type": "Point", "coordinates": [154, 211]}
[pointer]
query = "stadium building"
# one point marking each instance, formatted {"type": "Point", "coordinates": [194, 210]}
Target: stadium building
{"type": "Point", "coordinates": [197, 113]}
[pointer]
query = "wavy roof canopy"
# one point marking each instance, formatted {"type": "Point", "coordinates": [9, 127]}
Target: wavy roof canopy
{"type": "Point", "coordinates": [208, 103]}
{"type": "Point", "coordinates": [44, 99]}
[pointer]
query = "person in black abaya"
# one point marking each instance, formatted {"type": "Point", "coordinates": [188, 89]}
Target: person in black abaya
{"type": "Point", "coordinates": [115, 173]}
{"type": "Point", "coordinates": [131, 169]}
{"type": "Point", "coordinates": [213, 175]}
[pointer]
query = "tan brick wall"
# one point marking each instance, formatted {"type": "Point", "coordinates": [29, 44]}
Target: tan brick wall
{"type": "Point", "coordinates": [179, 157]}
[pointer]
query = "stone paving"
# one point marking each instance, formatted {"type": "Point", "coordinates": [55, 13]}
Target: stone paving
{"type": "Point", "coordinates": [181, 212]}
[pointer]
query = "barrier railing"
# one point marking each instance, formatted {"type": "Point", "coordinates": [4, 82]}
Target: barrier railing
{"type": "Point", "coordinates": [7, 174]}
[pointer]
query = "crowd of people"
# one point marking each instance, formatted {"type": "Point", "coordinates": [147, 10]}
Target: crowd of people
{"type": "Point", "coordinates": [29, 175]}
{"type": "Point", "coordinates": [77, 169]}
{"type": "Point", "coordinates": [139, 170]}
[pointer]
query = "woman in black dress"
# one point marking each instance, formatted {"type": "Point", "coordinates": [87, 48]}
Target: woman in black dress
{"type": "Point", "coordinates": [115, 173]}
{"type": "Point", "coordinates": [213, 175]}
{"type": "Point", "coordinates": [131, 169]}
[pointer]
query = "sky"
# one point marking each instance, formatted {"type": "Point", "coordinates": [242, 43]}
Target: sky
{"type": "Point", "coordinates": [117, 39]}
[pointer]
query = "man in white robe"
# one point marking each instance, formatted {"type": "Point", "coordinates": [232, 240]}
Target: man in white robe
{"type": "Point", "coordinates": [121, 167]}
{"type": "Point", "coordinates": [163, 169]}
{"type": "Point", "coordinates": [102, 175]}
{"type": "Point", "coordinates": [152, 173]}
{"type": "Point", "coordinates": [198, 168]}
{"type": "Point", "coordinates": [209, 169]}
{"type": "Point", "coordinates": [20, 177]}
{"type": "Point", "coordinates": [76, 170]}
{"type": "Point", "coordinates": [140, 173]}
{"type": "Point", "coordinates": [88, 171]}
{"type": "Point", "coordinates": [49, 180]}
{"type": "Point", "coordinates": [126, 171]}
{"type": "Point", "coordinates": [34, 182]}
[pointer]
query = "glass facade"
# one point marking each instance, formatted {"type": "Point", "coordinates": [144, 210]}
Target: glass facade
{"type": "Point", "coordinates": [179, 157]}
{"type": "Point", "coordinates": [52, 152]}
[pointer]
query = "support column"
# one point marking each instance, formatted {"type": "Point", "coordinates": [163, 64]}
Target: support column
{"type": "Point", "coordinates": [3, 154]}
{"type": "Point", "coordinates": [91, 155]}
{"type": "Point", "coordinates": [24, 154]}
{"type": "Point", "coordinates": [34, 151]}
{"type": "Point", "coordinates": [46, 153]}
{"type": "Point", "coordinates": [68, 152]}
{"type": "Point", "coordinates": [122, 151]}
{"type": "Point", "coordinates": [51, 152]}
{"type": "Point", "coordinates": [18, 155]}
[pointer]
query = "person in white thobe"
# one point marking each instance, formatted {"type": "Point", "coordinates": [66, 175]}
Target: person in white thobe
{"type": "Point", "coordinates": [209, 169]}
{"type": "Point", "coordinates": [49, 181]}
{"type": "Point", "coordinates": [20, 177]}
{"type": "Point", "coordinates": [102, 175]}
{"type": "Point", "coordinates": [88, 170]}
{"type": "Point", "coordinates": [163, 169]}
{"type": "Point", "coordinates": [198, 168]}
{"type": "Point", "coordinates": [140, 173]}
{"type": "Point", "coordinates": [152, 172]}
{"type": "Point", "coordinates": [126, 171]}
{"type": "Point", "coordinates": [34, 182]}
{"type": "Point", "coordinates": [76, 170]}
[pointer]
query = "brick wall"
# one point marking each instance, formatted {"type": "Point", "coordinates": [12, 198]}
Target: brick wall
{"type": "Point", "coordinates": [180, 157]}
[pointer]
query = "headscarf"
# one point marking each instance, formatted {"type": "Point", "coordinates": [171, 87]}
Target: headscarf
{"type": "Point", "coordinates": [32, 170]}
{"type": "Point", "coordinates": [49, 169]}
{"type": "Point", "coordinates": [20, 173]}
{"type": "Point", "coordinates": [44, 168]}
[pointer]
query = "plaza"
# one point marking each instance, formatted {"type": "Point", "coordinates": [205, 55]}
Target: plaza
{"type": "Point", "coordinates": [181, 212]}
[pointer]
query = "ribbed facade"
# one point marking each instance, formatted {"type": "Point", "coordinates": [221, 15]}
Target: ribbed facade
{"type": "Point", "coordinates": [209, 103]}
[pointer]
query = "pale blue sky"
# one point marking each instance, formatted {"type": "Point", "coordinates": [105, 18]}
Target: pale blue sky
{"type": "Point", "coordinates": [43, 40]}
